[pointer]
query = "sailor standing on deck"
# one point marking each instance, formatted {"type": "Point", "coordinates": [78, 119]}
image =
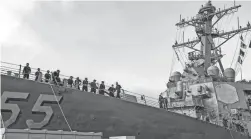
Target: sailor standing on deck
{"type": "Point", "coordinates": [70, 81]}
{"type": "Point", "coordinates": [47, 76]}
{"type": "Point", "coordinates": [77, 83]}
{"type": "Point", "coordinates": [160, 101]}
{"type": "Point", "coordinates": [93, 86]}
{"type": "Point", "coordinates": [38, 75]}
{"type": "Point", "coordinates": [85, 85]}
{"type": "Point", "coordinates": [225, 122]}
{"type": "Point", "coordinates": [111, 91]}
{"type": "Point", "coordinates": [55, 77]}
{"type": "Point", "coordinates": [118, 89]}
{"type": "Point", "coordinates": [165, 103]}
{"type": "Point", "coordinates": [26, 71]}
{"type": "Point", "coordinates": [102, 88]}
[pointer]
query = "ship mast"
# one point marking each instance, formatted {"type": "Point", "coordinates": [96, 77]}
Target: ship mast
{"type": "Point", "coordinates": [204, 27]}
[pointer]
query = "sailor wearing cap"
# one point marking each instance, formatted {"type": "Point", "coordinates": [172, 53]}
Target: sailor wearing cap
{"type": "Point", "coordinates": [85, 85]}
{"type": "Point", "coordinates": [102, 88]}
{"type": "Point", "coordinates": [93, 86]}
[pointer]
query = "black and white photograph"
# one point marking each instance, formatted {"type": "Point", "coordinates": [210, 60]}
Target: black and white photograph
{"type": "Point", "coordinates": [75, 69]}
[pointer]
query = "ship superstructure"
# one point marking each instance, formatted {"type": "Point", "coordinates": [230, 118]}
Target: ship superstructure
{"type": "Point", "coordinates": [206, 91]}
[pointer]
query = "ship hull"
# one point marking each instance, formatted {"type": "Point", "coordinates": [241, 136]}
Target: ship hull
{"type": "Point", "coordinates": [87, 112]}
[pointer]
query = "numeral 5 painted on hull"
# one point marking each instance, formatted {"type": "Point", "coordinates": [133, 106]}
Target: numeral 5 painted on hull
{"type": "Point", "coordinates": [13, 108]}
{"type": "Point", "coordinates": [37, 108]}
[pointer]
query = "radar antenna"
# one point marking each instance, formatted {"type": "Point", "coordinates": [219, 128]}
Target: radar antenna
{"type": "Point", "coordinates": [203, 24]}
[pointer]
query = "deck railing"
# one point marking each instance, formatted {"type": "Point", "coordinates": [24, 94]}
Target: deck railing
{"type": "Point", "coordinates": [15, 70]}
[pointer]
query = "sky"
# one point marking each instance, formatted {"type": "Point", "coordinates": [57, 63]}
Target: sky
{"type": "Point", "coordinates": [129, 42]}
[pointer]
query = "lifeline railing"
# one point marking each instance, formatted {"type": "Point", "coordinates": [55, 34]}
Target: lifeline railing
{"type": "Point", "coordinates": [16, 71]}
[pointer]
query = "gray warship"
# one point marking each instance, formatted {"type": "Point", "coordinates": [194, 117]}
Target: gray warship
{"type": "Point", "coordinates": [204, 101]}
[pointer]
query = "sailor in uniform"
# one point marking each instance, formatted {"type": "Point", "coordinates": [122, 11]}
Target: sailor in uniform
{"type": "Point", "coordinates": [111, 91]}
{"type": "Point", "coordinates": [93, 86]}
{"type": "Point", "coordinates": [161, 101]}
{"type": "Point", "coordinates": [55, 77]}
{"type": "Point", "coordinates": [85, 85]}
{"type": "Point", "coordinates": [102, 88]}
{"type": "Point", "coordinates": [77, 83]}
{"type": "Point", "coordinates": [38, 75]}
{"type": "Point", "coordinates": [118, 89]}
{"type": "Point", "coordinates": [26, 71]}
{"type": "Point", "coordinates": [47, 76]}
{"type": "Point", "coordinates": [70, 81]}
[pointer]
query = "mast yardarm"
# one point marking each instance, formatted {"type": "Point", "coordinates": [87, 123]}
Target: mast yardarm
{"type": "Point", "coordinates": [204, 28]}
